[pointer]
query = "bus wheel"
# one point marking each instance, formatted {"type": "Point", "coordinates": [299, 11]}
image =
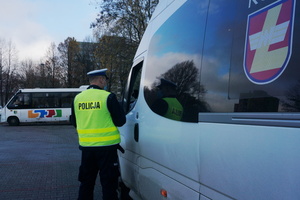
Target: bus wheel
{"type": "Point", "coordinates": [13, 121]}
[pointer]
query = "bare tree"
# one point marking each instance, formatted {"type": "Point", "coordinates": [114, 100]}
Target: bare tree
{"type": "Point", "coordinates": [115, 54]}
{"type": "Point", "coordinates": [126, 18]}
{"type": "Point", "coordinates": [68, 52]}
{"type": "Point", "coordinates": [9, 63]}
{"type": "Point", "coordinates": [53, 67]}
{"type": "Point", "coordinates": [1, 72]}
{"type": "Point", "coordinates": [86, 59]}
{"type": "Point", "coordinates": [185, 75]}
{"type": "Point", "coordinates": [120, 26]}
{"type": "Point", "coordinates": [189, 91]}
{"type": "Point", "coordinates": [28, 74]}
{"type": "Point", "coordinates": [77, 58]}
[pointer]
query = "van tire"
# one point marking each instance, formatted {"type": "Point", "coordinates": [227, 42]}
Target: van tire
{"type": "Point", "coordinates": [13, 121]}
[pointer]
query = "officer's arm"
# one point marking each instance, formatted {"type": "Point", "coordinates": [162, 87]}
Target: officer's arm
{"type": "Point", "coordinates": [73, 117]}
{"type": "Point", "coordinates": [116, 111]}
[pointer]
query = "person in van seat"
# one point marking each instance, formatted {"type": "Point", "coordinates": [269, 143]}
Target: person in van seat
{"type": "Point", "coordinates": [97, 115]}
{"type": "Point", "coordinates": [167, 104]}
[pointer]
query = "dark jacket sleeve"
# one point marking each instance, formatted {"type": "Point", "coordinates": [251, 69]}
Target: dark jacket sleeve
{"type": "Point", "coordinates": [116, 111]}
{"type": "Point", "coordinates": [73, 117]}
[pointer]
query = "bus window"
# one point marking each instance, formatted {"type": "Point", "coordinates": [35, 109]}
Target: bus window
{"type": "Point", "coordinates": [67, 99]}
{"type": "Point", "coordinates": [20, 101]}
{"type": "Point", "coordinates": [45, 100]}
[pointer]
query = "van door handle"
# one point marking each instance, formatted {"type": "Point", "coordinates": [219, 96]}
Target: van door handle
{"type": "Point", "coordinates": [136, 132]}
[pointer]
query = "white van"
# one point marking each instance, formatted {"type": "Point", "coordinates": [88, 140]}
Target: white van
{"type": "Point", "coordinates": [212, 103]}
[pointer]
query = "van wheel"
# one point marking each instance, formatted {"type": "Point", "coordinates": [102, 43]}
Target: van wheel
{"type": "Point", "coordinates": [13, 121]}
{"type": "Point", "coordinates": [123, 191]}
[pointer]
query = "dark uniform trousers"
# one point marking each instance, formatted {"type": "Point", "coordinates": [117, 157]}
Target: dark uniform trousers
{"type": "Point", "coordinates": [105, 161]}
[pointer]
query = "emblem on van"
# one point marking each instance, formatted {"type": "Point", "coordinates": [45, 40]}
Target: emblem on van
{"type": "Point", "coordinates": [268, 42]}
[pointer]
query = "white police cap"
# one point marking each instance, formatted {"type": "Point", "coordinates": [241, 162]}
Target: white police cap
{"type": "Point", "coordinates": [98, 72]}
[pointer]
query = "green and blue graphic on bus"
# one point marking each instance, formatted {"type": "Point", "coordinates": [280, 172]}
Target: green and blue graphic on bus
{"type": "Point", "coordinates": [44, 113]}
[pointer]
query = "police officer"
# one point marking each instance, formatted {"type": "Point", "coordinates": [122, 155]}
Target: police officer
{"type": "Point", "coordinates": [97, 115]}
{"type": "Point", "coordinates": [167, 104]}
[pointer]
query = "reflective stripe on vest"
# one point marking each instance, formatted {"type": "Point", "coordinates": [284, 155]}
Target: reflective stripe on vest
{"type": "Point", "coordinates": [94, 124]}
{"type": "Point", "coordinates": [175, 109]}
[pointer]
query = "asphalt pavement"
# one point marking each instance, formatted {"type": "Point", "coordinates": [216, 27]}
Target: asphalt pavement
{"type": "Point", "coordinates": [40, 162]}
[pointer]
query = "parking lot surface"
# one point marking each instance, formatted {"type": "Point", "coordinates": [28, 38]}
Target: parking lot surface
{"type": "Point", "coordinates": [40, 162]}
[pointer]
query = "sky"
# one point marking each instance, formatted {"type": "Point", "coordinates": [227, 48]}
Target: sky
{"type": "Point", "coordinates": [32, 25]}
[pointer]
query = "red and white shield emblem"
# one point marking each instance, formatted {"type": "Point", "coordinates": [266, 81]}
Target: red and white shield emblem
{"type": "Point", "coordinates": [268, 43]}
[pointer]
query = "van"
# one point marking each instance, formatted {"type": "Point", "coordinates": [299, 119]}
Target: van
{"type": "Point", "coordinates": [212, 103]}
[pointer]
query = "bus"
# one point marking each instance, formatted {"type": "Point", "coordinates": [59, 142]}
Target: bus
{"type": "Point", "coordinates": [40, 105]}
{"type": "Point", "coordinates": [213, 103]}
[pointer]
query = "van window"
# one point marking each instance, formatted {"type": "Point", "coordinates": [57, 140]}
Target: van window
{"type": "Point", "coordinates": [231, 86]}
{"type": "Point", "coordinates": [217, 55]}
{"type": "Point", "coordinates": [174, 57]}
{"type": "Point", "coordinates": [132, 90]}
{"type": "Point", "coordinates": [209, 59]}
{"type": "Point", "coordinates": [264, 74]}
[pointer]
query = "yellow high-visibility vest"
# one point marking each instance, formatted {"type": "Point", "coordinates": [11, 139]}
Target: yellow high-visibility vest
{"type": "Point", "coordinates": [94, 123]}
{"type": "Point", "coordinates": [175, 109]}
